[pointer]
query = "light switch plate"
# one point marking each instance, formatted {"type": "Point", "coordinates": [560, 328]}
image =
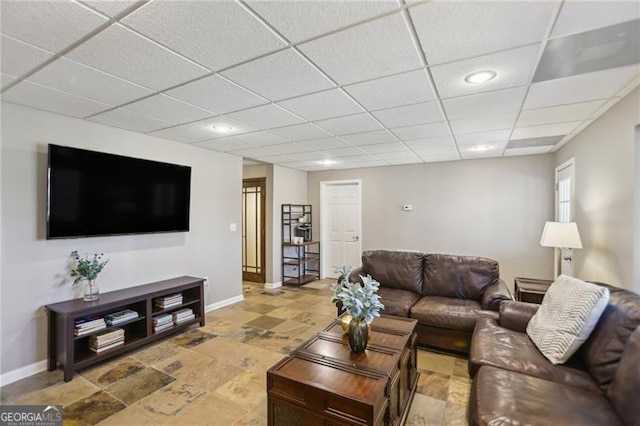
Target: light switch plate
{"type": "Point", "coordinates": [407, 207]}
{"type": "Point", "coordinates": [233, 227]}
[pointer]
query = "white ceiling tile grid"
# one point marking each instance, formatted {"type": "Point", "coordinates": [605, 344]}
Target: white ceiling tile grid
{"type": "Point", "coordinates": [295, 83]}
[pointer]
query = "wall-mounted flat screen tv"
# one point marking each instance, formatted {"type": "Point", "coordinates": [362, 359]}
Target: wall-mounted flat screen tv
{"type": "Point", "coordinates": [92, 194]}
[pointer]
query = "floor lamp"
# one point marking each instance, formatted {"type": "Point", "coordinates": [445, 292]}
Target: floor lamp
{"type": "Point", "coordinates": [560, 235]}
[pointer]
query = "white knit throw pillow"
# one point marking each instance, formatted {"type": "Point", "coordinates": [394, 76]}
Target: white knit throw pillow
{"type": "Point", "coordinates": [568, 314]}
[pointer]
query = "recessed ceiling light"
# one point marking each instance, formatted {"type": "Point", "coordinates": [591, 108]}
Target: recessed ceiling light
{"type": "Point", "coordinates": [221, 128]}
{"type": "Point", "coordinates": [480, 77]}
{"type": "Point", "coordinates": [481, 148]}
{"type": "Point", "coordinates": [326, 162]}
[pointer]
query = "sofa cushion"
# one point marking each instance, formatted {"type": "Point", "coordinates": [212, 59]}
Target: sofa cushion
{"type": "Point", "coordinates": [566, 317]}
{"type": "Point", "coordinates": [397, 302]}
{"type": "Point", "coordinates": [395, 269]}
{"type": "Point", "coordinates": [603, 349]}
{"type": "Point", "coordinates": [501, 347]}
{"type": "Point", "coordinates": [625, 386]}
{"type": "Point", "coordinates": [461, 277]}
{"type": "Point", "coordinates": [502, 397]}
{"type": "Point", "coordinates": [446, 312]}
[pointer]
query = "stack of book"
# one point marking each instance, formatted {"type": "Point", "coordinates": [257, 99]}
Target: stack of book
{"type": "Point", "coordinates": [88, 325]}
{"type": "Point", "coordinates": [107, 339]}
{"type": "Point", "coordinates": [162, 322]}
{"type": "Point", "coordinates": [119, 317]}
{"type": "Point", "coordinates": [183, 315]}
{"type": "Point", "coordinates": [169, 301]}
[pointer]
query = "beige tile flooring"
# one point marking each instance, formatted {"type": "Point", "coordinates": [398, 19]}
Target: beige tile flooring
{"type": "Point", "coordinates": [215, 375]}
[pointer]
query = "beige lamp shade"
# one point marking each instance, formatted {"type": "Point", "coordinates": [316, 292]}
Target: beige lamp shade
{"type": "Point", "coordinates": [561, 235]}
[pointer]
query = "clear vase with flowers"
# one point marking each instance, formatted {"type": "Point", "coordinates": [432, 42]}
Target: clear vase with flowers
{"type": "Point", "coordinates": [87, 269]}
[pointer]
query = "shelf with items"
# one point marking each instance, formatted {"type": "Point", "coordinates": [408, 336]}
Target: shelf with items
{"type": "Point", "coordinates": [72, 352]}
{"type": "Point", "coordinates": [300, 253]}
{"type": "Point", "coordinates": [296, 222]}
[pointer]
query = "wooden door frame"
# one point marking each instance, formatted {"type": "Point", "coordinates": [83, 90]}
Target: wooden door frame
{"type": "Point", "coordinates": [252, 276]}
{"type": "Point", "coordinates": [324, 233]}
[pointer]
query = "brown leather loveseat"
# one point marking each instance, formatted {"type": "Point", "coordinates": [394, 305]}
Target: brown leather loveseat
{"type": "Point", "coordinates": [514, 384]}
{"type": "Point", "coordinates": [445, 293]}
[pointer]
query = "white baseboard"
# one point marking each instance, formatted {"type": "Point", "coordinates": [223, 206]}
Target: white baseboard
{"type": "Point", "coordinates": [273, 285]}
{"type": "Point", "coordinates": [37, 367]}
{"type": "Point", "coordinates": [223, 303]}
{"type": "Point", "coordinates": [22, 372]}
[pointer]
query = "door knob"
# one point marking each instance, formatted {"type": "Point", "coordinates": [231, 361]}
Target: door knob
{"type": "Point", "coordinates": [355, 238]}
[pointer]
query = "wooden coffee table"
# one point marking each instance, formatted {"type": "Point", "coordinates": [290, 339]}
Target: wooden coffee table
{"type": "Point", "coordinates": [323, 382]}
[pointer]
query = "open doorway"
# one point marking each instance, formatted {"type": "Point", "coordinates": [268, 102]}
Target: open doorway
{"type": "Point", "coordinates": [253, 229]}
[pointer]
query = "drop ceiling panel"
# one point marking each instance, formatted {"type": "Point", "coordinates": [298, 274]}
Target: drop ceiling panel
{"type": "Point", "coordinates": [410, 115]}
{"type": "Point", "coordinates": [299, 21]}
{"type": "Point", "coordinates": [225, 144]}
{"type": "Point", "coordinates": [300, 132]}
{"type": "Point", "coordinates": [579, 88]}
{"type": "Point", "coordinates": [579, 16]}
{"type": "Point", "coordinates": [470, 155]}
{"type": "Point", "coordinates": [130, 120]}
{"type": "Point", "coordinates": [400, 155]}
{"type": "Point", "coordinates": [450, 31]}
{"type": "Point", "coordinates": [443, 151]}
{"type": "Point", "coordinates": [287, 148]}
{"type": "Point", "coordinates": [127, 55]}
{"type": "Point", "coordinates": [310, 156]}
{"type": "Point", "coordinates": [432, 130]}
{"type": "Point", "coordinates": [169, 109]}
{"type": "Point", "coordinates": [370, 50]}
{"type": "Point", "coordinates": [402, 161]}
{"type": "Point", "coordinates": [528, 151]}
{"type": "Point", "coordinates": [279, 76]}
{"type": "Point", "coordinates": [265, 117]}
{"type": "Point", "coordinates": [559, 114]}
{"type": "Point", "coordinates": [498, 102]}
{"type": "Point", "coordinates": [6, 80]}
{"type": "Point", "coordinates": [357, 123]}
{"type": "Point", "coordinates": [111, 7]}
{"type": "Point", "coordinates": [483, 137]}
{"type": "Point", "coordinates": [41, 97]}
{"type": "Point", "coordinates": [513, 67]}
{"type": "Point", "coordinates": [51, 25]}
{"type": "Point", "coordinates": [182, 134]}
{"type": "Point", "coordinates": [384, 147]}
{"type": "Point", "coordinates": [18, 57]}
{"type": "Point", "coordinates": [367, 138]}
{"type": "Point", "coordinates": [207, 125]}
{"type": "Point", "coordinates": [251, 152]}
{"type": "Point", "coordinates": [483, 123]}
{"type": "Point", "coordinates": [544, 130]}
{"type": "Point", "coordinates": [534, 142]}
{"type": "Point", "coordinates": [322, 105]}
{"type": "Point", "coordinates": [259, 139]}
{"type": "Point", "coordinates": [343, 152]}
{"type": "Point", "coordinates": [431, 143]}
{"type": "Point", "coordinates": [396, 90]}
{"type": "Point", "coordinates": [72, 77]}
{"type": "Point", "coordinates": [277, 159]}
{"type": "Point", "coordinates": [324, 143]}
{"type": "Point", "coordinates": [214, 34]}
{"type": "Point", "coordinates": [216, 94]}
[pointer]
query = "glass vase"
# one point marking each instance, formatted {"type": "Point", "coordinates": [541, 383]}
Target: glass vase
{"type": "Point", "coordinates": [91, 291]}
{"type": "Point", "coordinates": [358, 335]}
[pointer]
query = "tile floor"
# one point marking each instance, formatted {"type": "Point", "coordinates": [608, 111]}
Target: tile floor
{"type": "Point", "coordinates": [215, 375]}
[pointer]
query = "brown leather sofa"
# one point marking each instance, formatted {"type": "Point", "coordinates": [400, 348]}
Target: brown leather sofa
{"type": "Point", "coordinates": [445, 293]}
{"type": "Point", "coordinates": [514, 384]}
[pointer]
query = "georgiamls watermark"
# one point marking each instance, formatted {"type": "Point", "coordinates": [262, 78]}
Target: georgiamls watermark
{"type": "Point", "coordinates": [31, 415]}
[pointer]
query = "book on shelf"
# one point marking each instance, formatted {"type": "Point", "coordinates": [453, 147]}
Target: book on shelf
{"type": "Point", "coordinates": [163, 327]}
{"type": "Point", "coordinates": [169, 301]}
{"type": "Point", "coordinates": [99, 349]}
{"type": "Point", "coordinates": [119, 317]}
{"type": "Point", "coordinates": [162, 319]}
{"type": "Point", "coordinates": [87, 322]}
{"type": "Point", "coordinates": [106, 336]}
{"type": "Point", "coordinates": [86, 331]}
{"type": "Point", "coordinates": [184, 319]}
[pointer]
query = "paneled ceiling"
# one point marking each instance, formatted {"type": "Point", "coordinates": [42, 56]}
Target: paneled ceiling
{"type": "Point", "coordinates": [315, 85]}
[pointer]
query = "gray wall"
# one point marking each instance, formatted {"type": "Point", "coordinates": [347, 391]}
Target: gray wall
{"type": "Point", "coordinates": [604, 209]}
{"type": "Point", "coordinates": [34, 269]}
{"type": "Point", "coordinates": [494, 208]}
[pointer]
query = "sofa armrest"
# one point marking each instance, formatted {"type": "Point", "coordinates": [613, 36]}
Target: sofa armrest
{"type": "Point", "coordinates": [516, 315]}
{"type": "Point", "coordinates": [494, 294]}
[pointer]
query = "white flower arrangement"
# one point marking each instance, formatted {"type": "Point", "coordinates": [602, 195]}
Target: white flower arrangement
{"type": "Point", "coordinates": [361, 301]}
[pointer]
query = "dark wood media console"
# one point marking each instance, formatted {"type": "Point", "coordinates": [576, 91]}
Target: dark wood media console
{"type": "Point", "coordinates": [73, 353]}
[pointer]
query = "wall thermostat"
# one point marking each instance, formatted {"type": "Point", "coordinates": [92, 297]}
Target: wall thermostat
{"type": "Point", "coordinates": [407, 207]}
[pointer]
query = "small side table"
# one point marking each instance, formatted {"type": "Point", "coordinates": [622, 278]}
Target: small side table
{"type": "Point", "coordinates": [530, 290]}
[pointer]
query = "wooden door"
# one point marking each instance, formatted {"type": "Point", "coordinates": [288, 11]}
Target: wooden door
{"type": "Point", "coordinates": [253, 229]}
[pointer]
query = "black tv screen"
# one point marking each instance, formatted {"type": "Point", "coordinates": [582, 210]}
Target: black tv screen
{"type": "Point", "coordinates": [92, 193]}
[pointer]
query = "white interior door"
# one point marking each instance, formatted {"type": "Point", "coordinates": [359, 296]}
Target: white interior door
{"type": "Point", "coordinates": [565, 189]}
{"type": "Point", "coordinates": [341, 225]}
